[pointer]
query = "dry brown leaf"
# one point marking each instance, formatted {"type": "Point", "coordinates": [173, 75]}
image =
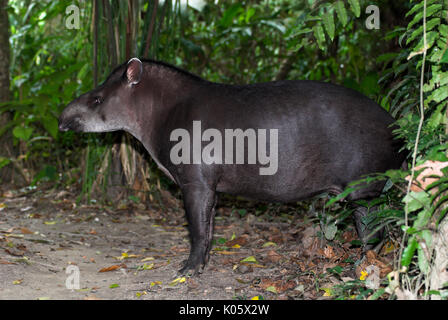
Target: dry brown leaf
{"type": "Point", "coordinates": [112, 268]}
{"type": "Point", "coordinates": [26, 231]}
{"type": "Point", "coordinates": [239, 241]}
{"type": "Point", "coordinates": [432, 168]}
{"type": "Point", "coordinates": [279, 285]}
{"type": "Point", "coordinates": [273, 256]}
{"type": "Point", "coordinates": [329, 252]}
{"type": "Point", "coordinates": [310, 241]}
{"type": "Point", "coordinates": [225, 252]}
{"type": "Point", "coordinates": [178, 249]}
{"type": "Point", "coordinates": [372, 259]}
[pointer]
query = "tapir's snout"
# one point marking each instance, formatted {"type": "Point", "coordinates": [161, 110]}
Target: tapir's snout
{"type": "Point", "coordinates": [69, 121]}
{"type": "Point", "coordinates": [70, 124]}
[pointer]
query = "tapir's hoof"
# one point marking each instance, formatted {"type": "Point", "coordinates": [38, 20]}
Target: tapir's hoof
{"type": "Point", "coordinates": [191, 269]}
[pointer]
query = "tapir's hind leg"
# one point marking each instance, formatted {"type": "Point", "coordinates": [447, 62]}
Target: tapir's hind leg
{"type": "Point", "coordinates": [199, 202]}
{"type": "Point", "coordinates": [365, 233]}
{"type": "Point", "coordinates": [369, 239]}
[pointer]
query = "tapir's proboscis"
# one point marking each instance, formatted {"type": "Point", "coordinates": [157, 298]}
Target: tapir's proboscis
{"type": "Point", "coordinates": [318, 137]}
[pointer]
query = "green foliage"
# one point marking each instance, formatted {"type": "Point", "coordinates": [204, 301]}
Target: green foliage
{"type": "Point", "coordinates": [425, 209]}
{"type": "Point", "coordinates": [44, 79]}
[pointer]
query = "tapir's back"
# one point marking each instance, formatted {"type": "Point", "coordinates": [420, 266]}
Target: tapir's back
{"type": "Point", "coordinates": [328, 136]}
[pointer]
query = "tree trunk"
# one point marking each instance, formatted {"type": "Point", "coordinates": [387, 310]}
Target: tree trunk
{"type": "Point", "coordinates": [6, 148]}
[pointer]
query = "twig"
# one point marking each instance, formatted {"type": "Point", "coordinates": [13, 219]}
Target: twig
{"type": "Point", "coordinates": [151, 28]}
{"type": "Point", "coordinates": [422, 115]}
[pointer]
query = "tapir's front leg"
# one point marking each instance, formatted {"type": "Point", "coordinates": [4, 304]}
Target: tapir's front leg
{"type": "Point", "coordinates": [199, 202]}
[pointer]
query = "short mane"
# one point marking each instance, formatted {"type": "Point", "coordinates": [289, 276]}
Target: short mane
{"type": "Point", "coordinates": [159, 64]}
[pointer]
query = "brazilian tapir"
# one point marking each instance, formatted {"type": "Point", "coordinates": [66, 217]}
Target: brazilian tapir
{"type": "Point", "coordinates": [279, 141]}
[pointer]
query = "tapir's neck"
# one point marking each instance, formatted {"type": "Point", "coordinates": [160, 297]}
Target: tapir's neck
{"type": "Point", "coordinates": [159, 91]}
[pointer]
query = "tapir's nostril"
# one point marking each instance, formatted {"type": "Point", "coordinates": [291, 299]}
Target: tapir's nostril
{"type": "Point", "coordinates": [62, 127]}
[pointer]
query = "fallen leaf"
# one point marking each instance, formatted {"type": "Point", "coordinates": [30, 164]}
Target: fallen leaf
{"type": "Point", "coordinates": [25, 230]}
{"type": "Point", "coordinates": [154, 283]}
{"type": "Point", "coordinates": [424, 179]}
{"type": "Point", "coordinates": [268, 244]}
{"type": "Point", "coordinates": [225, 252]}
{"type": "Point", "coordinates": [112, 268]}
{"type": "Point", "coordinates": [114, 285]}
{"type": "Point", "coordinates": [279, 285]}
{"type": "Point", "coordinates": [329, 252]}
{"type": "Point", "coordinates": [239, 241]}
{"type": "Point", "coordinates": [271, 289]}
{"type": "Point", "coordinates": [250, 259]}
{"type": "Point", "coordinates": [273, 256]}
{"type": "Point", "coordinates": [327, 293]}
{"type": "Point", "coordinates": [147, 259]}
{"type": "Point", "coordinates": [177, 280]}
{"type": "Point", "coordinates": [389, 247]}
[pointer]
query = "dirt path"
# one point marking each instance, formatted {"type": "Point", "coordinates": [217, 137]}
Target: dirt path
{"type": "Point", "coordinates": [45, 240]}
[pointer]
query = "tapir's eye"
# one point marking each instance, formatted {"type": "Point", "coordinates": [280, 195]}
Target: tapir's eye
{"type": "Point", "coordinates": [97, 100]}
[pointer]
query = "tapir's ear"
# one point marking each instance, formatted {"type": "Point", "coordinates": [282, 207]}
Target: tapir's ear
{"type": "Point", "coordinates": [134, 71]}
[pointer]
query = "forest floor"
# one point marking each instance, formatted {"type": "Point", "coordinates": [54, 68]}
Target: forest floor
{"type": "Point", "coordinates": [49, 245]}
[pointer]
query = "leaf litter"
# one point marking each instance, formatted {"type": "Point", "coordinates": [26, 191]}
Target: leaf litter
{"type": "Point", "coordinates": [257, 256]}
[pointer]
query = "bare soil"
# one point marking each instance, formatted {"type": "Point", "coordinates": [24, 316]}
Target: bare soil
{"type": "Point", "coordinates": [134, 253]}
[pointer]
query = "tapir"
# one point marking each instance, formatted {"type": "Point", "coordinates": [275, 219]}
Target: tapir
{"type": "Point", "coordinates": [317, 136]}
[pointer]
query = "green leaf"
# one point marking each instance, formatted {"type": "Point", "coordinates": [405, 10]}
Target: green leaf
{"type": "Point", "coordinates": [423, 262]}
{"type": "Point", "coordinates": [50, 124]}
{"type": "Point", "coordinates": [271, 289]}
{"type": "Point", "coordinates": [336, 270]}
{"type": "Point", "coordinates": [356, 7]}
{"type": "Point", "coordinates": [22, 133]}
{"type": "Point", "coordinates": [249, 14]}
{"type": "Point", "coordinates": [320, 36]}
{"type": "Point", "coordinates": [409, 251]}
{"type": "Point", "coordinates": [343, 194]}
{"type": "Point", "coordinates": [250, 259]}
{"type": "Point", "coordinates": [422, 219]}
{"type": "Point", "coordinates": [330, 231]}
{"type": "Point", "coordinates": [416, 200]}
{"type": "Point", "coordinates": [341, 12]}
{"type": "Point", "coordinates": [418, 6]}
{"type": "Point", "coordinates": [419, 32]}
{"type": "Point", "coordinates": [228, 16]}
{"type": "Point", "coordinates": [48, 173]}
{"type": "Point", "coordinates": [445, 57]}
{"type": "Point", "coordinates": [430, 10]}
{"type": "Point", "coordinates": [440, 94]}
{"type": "Point", "coordinates": [438, 117]}
{"type": "Point", "coordinates": [4, 162]}
{"type": "Point", "coordinates": [328, 19]}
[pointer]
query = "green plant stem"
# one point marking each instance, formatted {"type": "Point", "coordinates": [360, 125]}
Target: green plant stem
{"type": "Point", "coordinates": [422, 117]}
